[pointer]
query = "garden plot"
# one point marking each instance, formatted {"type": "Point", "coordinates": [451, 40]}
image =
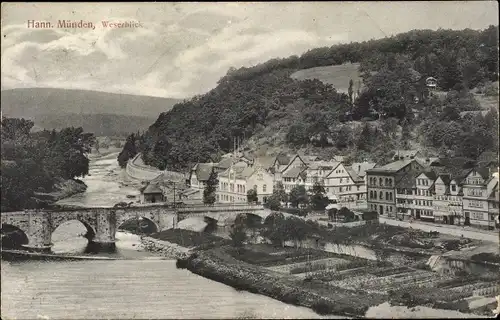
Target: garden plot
{"type": "Point", "coordinates": [355, 283]}
{"type": "Point", "coordinates": [302, 267]}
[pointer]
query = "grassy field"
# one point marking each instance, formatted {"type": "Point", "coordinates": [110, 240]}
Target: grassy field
{"type": "Point", "coordinates": [338, 76]}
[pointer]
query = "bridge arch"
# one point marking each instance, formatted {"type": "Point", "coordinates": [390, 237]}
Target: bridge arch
{"type": "Point", "coordinates": [13, 237]}
{"type": "Point", "coordinates": [89, 230]}
{"type": "Point", "coordinates": [124, 216]}
{"type": "Point", "coordinates": [254, 220]}
{"type": "Point", "coordinates": [137, 222]}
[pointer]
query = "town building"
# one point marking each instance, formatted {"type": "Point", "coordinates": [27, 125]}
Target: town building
{"type": "Point", "coordinates": [235, 182]}
{"type": "Point", "coordinates": [151, 193]}
{"type": "Point", "coordinates": [447, 199]}
{"type": "Point", "coordinates": [493, 202]}
{"type": "Point", "coordinates": [478, 186]}
{"type": "Point", "coordinates": [294, 173]}
{"type": "Point", "coordinates": [424, 195]}
{"type": "Point", "coordinates": [382, 185]}
{"type": "Point", "coordinates": [344, 186]}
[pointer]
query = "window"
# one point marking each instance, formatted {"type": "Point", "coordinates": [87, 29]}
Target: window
{"type": "Point", "coordinates": [453, 188]}
{"type": "Point", "coordinates": [380, 182]}
{"type": "Point", "coordinates": [387, 195]}
{"type": "Point", "coordinates": [477, 215]}
{"type": "Point", "coordinates": [264, 188]}
{"type": "Point", "coordinates": [381, 195]}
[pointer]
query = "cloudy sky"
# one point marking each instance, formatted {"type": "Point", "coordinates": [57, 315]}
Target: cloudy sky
{"type": "Point", "coordinates": [184, 48]}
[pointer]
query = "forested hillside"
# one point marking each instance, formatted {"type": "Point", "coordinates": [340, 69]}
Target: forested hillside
{"type": "Point", "coordinates": [393, 109]}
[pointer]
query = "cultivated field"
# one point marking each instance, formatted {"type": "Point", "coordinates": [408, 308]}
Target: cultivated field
{"type": "Point", "coordinates": [338, 76]}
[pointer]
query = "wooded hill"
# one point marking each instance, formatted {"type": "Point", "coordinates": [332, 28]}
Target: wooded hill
{"type": "Point", "coordinates": [310, 114]}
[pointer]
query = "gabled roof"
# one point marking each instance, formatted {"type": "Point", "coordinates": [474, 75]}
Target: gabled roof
{"type": "Point", "coordinates": [264, 162]}
{"type": "Point", "coordinates": [152, 189]}
{"type": "Point", "coordinates": [203, 170]}
{"type": "Point", "coordinates": [169, 177]}
{"type": "Point", "coordinates": [239, 172]}
{"type": "Point", "coordinates": [446, 178]}
{"type": "Point", "coordinates": [354, 176]}
{"type": "Point", "coordinates": [292, 160]}
{"type": "Point", "coordinates": [407, 180]}
{"type": "Point", "coordinates": [294, 172]}
{"type": "Point", "coordinates": [282, 159]}
{"type": "Point", "coordinates": [361, 167]}
{"type": "Point", "coordinates": [393, 166]}
{"type": "Point", "coordinates": [430, 174]}
{"type": "Point", "coordinates": [325, 165]}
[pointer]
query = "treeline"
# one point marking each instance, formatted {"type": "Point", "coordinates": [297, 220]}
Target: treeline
{"type": "Point", "coordinates": [35, 162]}
{"type": "Point", "coordinates": [249, 100]}
{"type": "Point", "coordinates": [201, 129]}
{"type": "Point", "coordinates": [451, 56]}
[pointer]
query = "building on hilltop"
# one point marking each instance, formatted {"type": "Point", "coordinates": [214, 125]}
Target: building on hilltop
{"type": "Point", "coordinates": [407, 155]}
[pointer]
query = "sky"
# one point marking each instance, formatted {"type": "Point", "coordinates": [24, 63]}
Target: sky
{"type": "Point", "coordinates": [183, 49]}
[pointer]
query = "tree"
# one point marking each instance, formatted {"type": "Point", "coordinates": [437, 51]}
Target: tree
{"type": "Point", "coordinates": [298, 195]}
{"type": "Point", "coordinates": [252, 196]}
{"type": "Point", "coordinates": [238, 234]}
{"type": "Point", "coordinates": [350, 91]}
{"type": "Point", "coordinates": [275, 228]}
{"type": "Point", "coordinates": [318, 199]}
{"type": "Point", "coordinates": [295, 229]}
{"type": "Point", "coordinates": [128, 152]}
{"type": "Point", "coordinates": [274, 203]}
{"type": "Point", "coordinates": [279, 192]}
{"type": "Point", "coordinates": [210, 188]}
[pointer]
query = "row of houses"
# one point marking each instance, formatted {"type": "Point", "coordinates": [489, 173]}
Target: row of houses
{"type": "Point", "coordinates": [449, 191]}
{"type": "Point", "coordinates": [238, 173]}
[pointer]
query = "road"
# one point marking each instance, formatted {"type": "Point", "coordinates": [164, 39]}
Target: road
{"type": "Point", "coordinates": [485, 235]}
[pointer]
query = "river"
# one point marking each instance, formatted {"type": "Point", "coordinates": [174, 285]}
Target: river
{"type": "Point", "coordinates": [138, 287]}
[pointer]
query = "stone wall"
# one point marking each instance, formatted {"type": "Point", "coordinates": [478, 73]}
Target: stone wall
{"type": "Point", "coordinates": [165, 248]}
{"type": "Point", "coordinates": [139, 172]}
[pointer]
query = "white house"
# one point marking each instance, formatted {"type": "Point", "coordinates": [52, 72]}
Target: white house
{"type": "Point", "coordinates": [235, 182]}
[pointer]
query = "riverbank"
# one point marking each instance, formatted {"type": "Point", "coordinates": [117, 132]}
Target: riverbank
{"type": "Point", "coordinates": [62, 189]}
{"type": "Point", "coordinates": [218, 265]}
{"type": "Point", "coordinates": [17, 255]}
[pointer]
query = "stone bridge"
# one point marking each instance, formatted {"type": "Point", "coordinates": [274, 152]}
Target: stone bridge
{"type": "Point", "coordinates": [102, 223]}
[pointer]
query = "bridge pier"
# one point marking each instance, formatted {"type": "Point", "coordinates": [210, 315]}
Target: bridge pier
{"type": "Point", "coordinates": [96, 247]}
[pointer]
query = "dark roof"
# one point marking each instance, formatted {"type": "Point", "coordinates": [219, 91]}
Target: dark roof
{"type": "Point", "coordinates": [406, 180]}
{"type": "Point", "coordinates": [293, 172]}
{"type": "Point", "coordinates": [484, 172]}
{"type": "Point", "coordinates": [431, 174]}
{"type": "Point", "coordinates": [361, 167]}
{"type": "Point", "coordinates": [203, 171]}
{"type": "Point", "coordinates": [152, 189]}
{"type": "Point", "coordinates": [394, 166]}
{"type": "Point", "coordinates": [283, 159]}
{"type": "Point", "coordinates": [446, 178]}
{"type": "Point", "coordinates": [354, 175]}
